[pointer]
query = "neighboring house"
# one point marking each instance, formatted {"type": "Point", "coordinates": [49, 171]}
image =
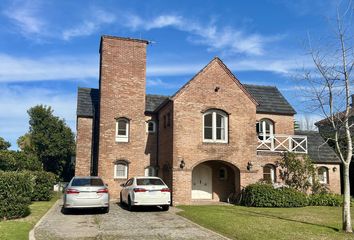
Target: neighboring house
{"type": "Point", "coordinates": [210, 139]}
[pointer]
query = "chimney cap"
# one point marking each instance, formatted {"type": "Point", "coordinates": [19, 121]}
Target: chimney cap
{"type": "Point", "coordinates": [126, 39]}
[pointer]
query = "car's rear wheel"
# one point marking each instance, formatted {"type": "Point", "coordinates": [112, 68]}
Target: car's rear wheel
{"type": "Point", "coordinates": [165, 207]}
{"type": "Point", "coordinates": [106, 210]}
{"type": "Point", "coordinates": [130, 206]}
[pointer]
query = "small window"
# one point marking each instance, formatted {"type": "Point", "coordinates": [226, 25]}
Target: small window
{"type": "Point", "coordinates": [322, 175]}
{"type": "Point", "coordinates": [150, 172]}
{"type": "Point", "coordinates": [215, 124]}
{"type": "Point", "coordinates": [121, 170]}
{"type": "Point", "coordinates": [222, 173]}
{"type": "Point", "coordinates": [269, 173]}
{"type": "Point", "coordinates": [122, 130]}
{"type": "Point", "coordinates": [265, 129]}
{"type": "Point", "coordinates": [151, 126]}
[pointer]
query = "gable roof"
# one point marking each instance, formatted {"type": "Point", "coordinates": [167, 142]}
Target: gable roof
{"type": "Point", "coordinates": [318, 150]}
{"type": "Point", "coordinates": [87, 102]}
{"type": "Point", "coordinates": [270, 100]}
{"type": "Point", "coordinates": [227, 70]}
{"type": "Point", "coordinates": [88, 99]}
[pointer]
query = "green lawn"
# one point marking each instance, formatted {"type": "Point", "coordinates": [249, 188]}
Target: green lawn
{"type": "Point", "coordinates": [239, 222]}
{"type": "Point", "coordinates": [18, 229]}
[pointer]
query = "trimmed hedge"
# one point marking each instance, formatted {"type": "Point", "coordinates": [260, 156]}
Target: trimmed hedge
{"type": "Point", "coordinates": [43, 185]}
{"type": "Point", "coordinates": [15, 192]}
{"type": "Point", "coordinates": [325, 199]}
{"type": "Point", "coordinates": [264, 195]}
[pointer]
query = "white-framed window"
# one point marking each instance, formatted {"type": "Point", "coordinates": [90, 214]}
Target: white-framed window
{"type": "Point", "coordinates": [265, 129]}
{"type": "Point", "coordinates": [151, 126]}
{"type": "Point", "coordinates": [122, 130]}
{"type": "Point", "coordinates": [150, 171]}
{"type": "Point", "coordinates": [222, 173]}
{"type": "Point", "coordinates": [121, 170]}
{"type": "Point", "coordinates": [269, 173]}
{"type": "Point", "coordinates": [215, 126]}
{"type": "Point", "coordinates": [322, 173]}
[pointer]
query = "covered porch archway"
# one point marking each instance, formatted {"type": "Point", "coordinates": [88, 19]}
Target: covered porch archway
{"type": "Point", "coordinates": [215, 180]}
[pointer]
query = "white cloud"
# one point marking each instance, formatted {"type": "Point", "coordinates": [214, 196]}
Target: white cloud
{"type": "Point", "coordinates": [25, 15]}
{"type": "Point", "coordinates": [160, 83]}
{"type": "Point", "coordinates": [216, 38]}
{"type": "Point", "coordinates": [19, 69]}
{"type": "Point", "coordinates": [98, 18]}
{"type": "Point", "coordinates": [15, 100]}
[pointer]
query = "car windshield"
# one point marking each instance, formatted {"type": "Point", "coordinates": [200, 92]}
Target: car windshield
{"type": "Point", "coordinates": [149, 181]}
{"type": "Point", "coordinates": [80, 182]}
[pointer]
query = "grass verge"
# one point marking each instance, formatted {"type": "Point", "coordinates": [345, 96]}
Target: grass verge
{"type": "Point", "coordinates": [18, 229]}
{"type": "Point", "coordinates": [238, 222]}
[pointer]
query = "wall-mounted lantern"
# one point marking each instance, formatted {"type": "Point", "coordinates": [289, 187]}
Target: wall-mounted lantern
{"type": "Point", "coordinates": [182, 164]}
{"type": "Point", "coordinates": [249, 166]}
{"type": "Point", "coordinates": [334, 169]}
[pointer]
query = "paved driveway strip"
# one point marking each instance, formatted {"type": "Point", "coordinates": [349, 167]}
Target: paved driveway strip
{"type": "Point", "coordinates": [147, 223]}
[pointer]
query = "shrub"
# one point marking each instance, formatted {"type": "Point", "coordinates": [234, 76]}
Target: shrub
{"type": "Point", "coordinates": [15, 192]}
{"type": "Point", "coordinates": [18, 160]}
{"type": "Point", "coordinates": [325, 199]}
{"type": "Point", "coordinates": [264, 195]}
{"type": "Point", "coordinates": [43, 185]}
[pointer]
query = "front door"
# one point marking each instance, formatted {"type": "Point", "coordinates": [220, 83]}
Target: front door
{"type": "Point", "coordinates": [202, 182]}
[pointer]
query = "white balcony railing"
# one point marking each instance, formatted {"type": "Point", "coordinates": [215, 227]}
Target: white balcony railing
{"type": "Point", "coordinates": [283, 143]}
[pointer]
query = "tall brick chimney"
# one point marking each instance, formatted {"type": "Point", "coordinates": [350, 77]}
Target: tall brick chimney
{"type": "Point", "coordinates": [122, 94]}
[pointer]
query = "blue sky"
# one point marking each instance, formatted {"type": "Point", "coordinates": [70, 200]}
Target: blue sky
{"type": "Point", "coordinates": [49, 48]}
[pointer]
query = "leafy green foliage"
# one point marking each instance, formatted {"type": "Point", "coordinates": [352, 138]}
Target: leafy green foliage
{"type": "Point", "coordinates": [16, 161]}
{"type": "Point", "coordinates": [4, 145]}
{"type": "Point", "coordinates": [15, 192]}
{"type": "Point", "coordinates": [43, 185]}
{"type": "Point", "coordinates": [264, 195]}
{"type": "Point", "coordinates": [325, 199]}
{"type": "Point", "coordinates": [298, 171]}
{"type": "Point", "coordinates": [51, 140]}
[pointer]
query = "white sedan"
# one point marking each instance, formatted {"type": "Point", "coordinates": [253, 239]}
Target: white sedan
{"type": "Point", "coordinates": [145, 191]}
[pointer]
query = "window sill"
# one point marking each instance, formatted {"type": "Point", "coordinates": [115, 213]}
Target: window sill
{"type": "Point", "coordinates": [215, 142]}
{"type": "Point", "coordinates": [120, 178]}
{"type": "Point", "coordinates": [121, 139]}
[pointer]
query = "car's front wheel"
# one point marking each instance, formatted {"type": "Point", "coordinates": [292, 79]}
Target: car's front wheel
{"type": "Point", "coordinates": [165, 207]}
{"type": "Point", "coordinates": [130, 206]}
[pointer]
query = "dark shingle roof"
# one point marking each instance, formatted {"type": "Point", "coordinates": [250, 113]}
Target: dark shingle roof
{"type": "Point", "coordinates": [318, 150]}
{"type": "Point", "coordinates": [270, 100]}
{"type": "Point", "coordinates": [153, 101]}
{"type": "Point", "coordinates": [87, 102]}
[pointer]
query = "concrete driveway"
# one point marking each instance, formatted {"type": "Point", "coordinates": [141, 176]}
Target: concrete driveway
{"type": "Point", "coordinates": [144, 223]}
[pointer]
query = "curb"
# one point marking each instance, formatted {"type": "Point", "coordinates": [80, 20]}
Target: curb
{"type": "Point", "coordinates": [31, 233]}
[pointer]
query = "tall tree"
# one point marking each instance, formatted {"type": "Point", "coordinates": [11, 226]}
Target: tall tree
{"type": "Point", "coordinates": [50, 139]}
{"type": "Point", "coordinates": [4, 145]}
{"type": "Point", "coordinates": [330, 85]}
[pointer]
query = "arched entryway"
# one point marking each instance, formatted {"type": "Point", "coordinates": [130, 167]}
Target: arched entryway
{"type": "Point", "coordinates": [215, 180]}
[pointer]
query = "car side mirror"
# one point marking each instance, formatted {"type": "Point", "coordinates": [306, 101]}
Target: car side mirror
{"type": "Point", "coordinates": [106, 184]}
{"type": "Point", "coordinates": [122, 185]}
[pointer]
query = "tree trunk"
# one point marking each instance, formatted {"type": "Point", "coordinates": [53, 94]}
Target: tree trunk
{"type": "Point", "coordinates": [347, 225]}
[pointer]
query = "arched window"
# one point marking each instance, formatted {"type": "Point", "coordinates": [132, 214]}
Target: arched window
{"type": "Point", "coordinates": [151, 126]}
{"type": "Point", "coordinates": [222, 173]}
{"type": "Point", "coordinates": [150, 171]}
{"type": "Point", "coordinates": [269, 173]}
{"type": "Point", "coordinates": [265, 129]}
{"type": "Point", "coordinates": [122, 130]}
{"type": "Point", "coordinates": [121, 169]}
{"type": "Point", "coordinates": [322, 173]}
{"type": "Point", "coordinates": [215, 126]}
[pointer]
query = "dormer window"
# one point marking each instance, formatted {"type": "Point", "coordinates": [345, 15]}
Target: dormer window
{"type": "Point", "coordinates": [215, 126]}
{"type": "Point", "coordinates": [122, 130]}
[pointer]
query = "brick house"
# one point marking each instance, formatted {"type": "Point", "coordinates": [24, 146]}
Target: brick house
{"type": "Point", "coordinates": [214, 136]}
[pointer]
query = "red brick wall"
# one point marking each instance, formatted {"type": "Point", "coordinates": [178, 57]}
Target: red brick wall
{"type": "Point", "coordinates": [334, 177]}
{"type": "Point", "coordinates": [200, 95]}
{"type": "Point", "coordinates": [83, 146]}
{"type": "Point", "coordinates": [122, 92]}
